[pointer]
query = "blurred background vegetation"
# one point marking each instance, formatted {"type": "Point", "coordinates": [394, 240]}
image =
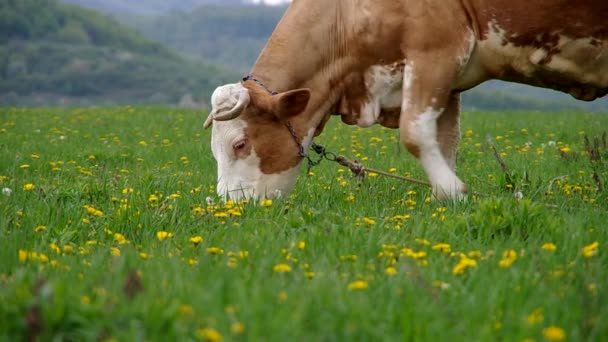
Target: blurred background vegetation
{"type": "Point", "coordinates": [169, 52]}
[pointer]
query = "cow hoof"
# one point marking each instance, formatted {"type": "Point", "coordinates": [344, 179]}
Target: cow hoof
{"type": "Point", "coordinates": [457, 192]}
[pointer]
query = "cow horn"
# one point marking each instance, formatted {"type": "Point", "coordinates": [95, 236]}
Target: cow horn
{"type": "Point", "coordinates": [243, 101]}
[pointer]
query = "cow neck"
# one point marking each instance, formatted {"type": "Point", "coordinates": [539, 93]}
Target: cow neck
{"type": "Point", "coordinates": [311, 58]}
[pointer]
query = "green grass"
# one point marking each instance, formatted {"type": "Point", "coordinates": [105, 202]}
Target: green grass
{"type": "Point", "coordinates": [81, 258]}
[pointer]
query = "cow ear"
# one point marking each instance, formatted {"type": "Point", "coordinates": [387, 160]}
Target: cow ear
{"type": "Point", "coordinates": [291, 103]}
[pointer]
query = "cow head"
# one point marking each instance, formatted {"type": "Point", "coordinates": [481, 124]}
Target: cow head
{"type": "Point", "coordinates": [257, 155]}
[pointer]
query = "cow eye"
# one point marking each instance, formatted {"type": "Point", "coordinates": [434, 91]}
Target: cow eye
{"type": "Point", "coordinates": [239, 145]}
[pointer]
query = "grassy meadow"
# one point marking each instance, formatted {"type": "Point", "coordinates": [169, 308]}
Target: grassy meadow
{"type": "Point", "coordinates": [110, 230]}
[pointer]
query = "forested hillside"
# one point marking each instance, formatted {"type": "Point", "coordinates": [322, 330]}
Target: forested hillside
{"type": "Point", "coordinates": [149, 7]}
{"type": "Point", "coordinates": [53, 53]}
{"type": "Point", "coordinates": [228, 35]}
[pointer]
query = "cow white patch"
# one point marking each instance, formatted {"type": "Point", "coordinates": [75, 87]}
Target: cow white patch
{"type": "Point", "coordinates": [242, 178]}
{"type": "Point", "coordinates": [384, 83]}
{"type": "Point", "coordinates": [423, 131]}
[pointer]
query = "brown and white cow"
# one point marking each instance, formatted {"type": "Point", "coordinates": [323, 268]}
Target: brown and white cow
{"type": "Point", "coordinates": [401, 64]}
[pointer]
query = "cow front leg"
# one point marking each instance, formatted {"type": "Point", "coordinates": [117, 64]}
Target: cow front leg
{"type": "Point", "coordinates": [448, 130]}
{"type": "Point", "coordinates": [426, 98]}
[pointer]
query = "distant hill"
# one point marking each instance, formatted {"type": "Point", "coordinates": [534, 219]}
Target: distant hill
{"type": "Point", "coordinates": [159, 7]}
{"type": "Point", "coordinates": [53, 53]}
{"type": "Point", "coordinates": [227, 35]}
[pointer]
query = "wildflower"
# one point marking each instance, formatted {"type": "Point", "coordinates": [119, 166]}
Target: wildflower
{"type": "Point", "coordinates": [266, 203]}
{"type": "Point", "coordinates": [369, 221]}
{"type": "Point", "coordinates": [392, 169]}
{"type": "Point", "coordinates": [590, 250]}
{"type": "Point", "coordinates": [163, 235]}
{"type": "Point", "coordinates": [508, 258]}
{"type": "Point", "coordinates": [153, 198]}
{"type": "Point", "coordinates": [120, 239]}
{"type": "Point", "coordinates": [221, 214]}
{"type": "Point", "coordinates": [29, 187]}
{"type": "Point", "coordinates": [390, 271]}
{"type": "Point", "coordinates": [68, 249]}
{"type": "Point", "coordinates": [309, 275]}
{"type": "Point", "coordinates": [237, 328]}
{"type": "Point", "coordinates": [40, 228]}
{"type": "Point", "coordinates": [536, 317]}
{"type": "Point", "coordinates": [282, 268]}
{"type": "Point", "coordinates": [214, 251]}
{"type": "Point", "coordinates": [186, 310]}
{"type": "Point", "coordinates": [144, 256]}
{"type": "Point", "coordinates": [301, 245]}
{"type": "Point", "coordinates": [55, 248]}
{"type": "Point", "coordinates": [283, 296]}
{"type": "Point", "coordinates": [210, 335]}
{"type": "Point", "coordinates": [24, 166]}
{"type": "Point", "coordinates": [7, 191]}
{"type": "Point", "coordinates": [127, 190]}
{"type": "Point", "coordinates": [357, 285]}
{"type": "Point", "coordinates": [548, 246]}
{"type": "Point", "coordinates": [554, 333]}
{"type": "Point", "coordinates": [196, 240]}
{"type": "Point", "coordinates": [114, 251]}
{"type": "Point", "coordinates": [464, 264]}
{"type": "Point", "coordinates": [423, 242]}
{"type": "Point", "coordinates": [22, 256]}
{"type": "Point", "coordinates": [442, 247]}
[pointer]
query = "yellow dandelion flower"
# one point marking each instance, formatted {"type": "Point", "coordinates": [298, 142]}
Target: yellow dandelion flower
{"type": "Point", "coordinates": [55, 248]}
{"type": "Point", "coordinates": [221, 214]}
{"type": "Point", "coordinates": [86, 300]}
{"type": "Point", "coordinates": [114, 251]}
{"type": "Point", "coordinates": [215, 251]}
{"type": "Point", "coordinates": [22, 256]}
{"type": "Point", "coordinates": [391, 271]}
{"type": "Point", "coordinates": [196, 240]}
{"type": "Point", "coordinates": [120, 239]}
{"type": "Point", "coordinates": [591, 249]}
{"type": "Point", "coordinates": [423, 242]}
{"type": "Point", "coordinates": [186, 310]}
{"type": "Point", "coordinates": [266, 203]}
{"type": "Point", "coordinates": [153, 198]}
{"type": "Point", "coordinates": [68, 249]}
{"type": "Point", "coordinates": [127, 190]}
{"type": "Point", "coordinates": [536, 317]}
{"type": "Point", "coordinates": [392, 169]}
{"type": "Point", "coordinates": [144, 256]}
{"type": "Point", "coordinates": [554, 333]}
{"type": "Point", "coordinates": [24, 166]}
{"type": "Point", "coordinates": [29, 187]}
{"type": "Point", "coordinates": [301, 245]}
{"type": "Point", "coordinates": [163, 235]}
{"type": "Point", "coordinates": [442, 247]}
{"type": "Point", "coordinates": [464, 264]}
{"type": "Point", "coordinates": [282, 268]}
{"type": "Point", "coordinates": [237, 328]}
{"type": "Point", "coordinates": [309, 275]}
{"type": "Point", "coordinates": [369, 221]}
{"type": "Point", "coordinates": [358, 285]}
{"type": "Point", "coordinates": [210, 335]}
{"type": "Point", "coordinates": [508, 258]}
{"type": "Point", "coordinates": [549, 247]}
{"type": "Point", "coordinates": [40, 228]}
